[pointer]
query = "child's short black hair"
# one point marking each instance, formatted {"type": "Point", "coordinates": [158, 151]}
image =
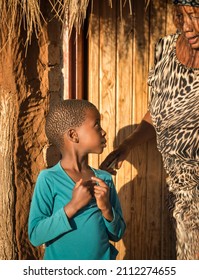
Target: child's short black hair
{"type": "Point", "coordinates": [67, 114]}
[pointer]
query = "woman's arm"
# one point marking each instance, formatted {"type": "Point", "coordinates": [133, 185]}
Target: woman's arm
{"type": "Point", "coordinates": [144, 132]}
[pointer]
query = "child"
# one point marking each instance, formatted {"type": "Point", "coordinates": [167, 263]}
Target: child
{"type": "Point", "coordinates": [75, 209]}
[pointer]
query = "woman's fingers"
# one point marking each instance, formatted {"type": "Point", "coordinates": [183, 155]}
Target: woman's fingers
{"type": "Point", "coordinates": [110, 160]}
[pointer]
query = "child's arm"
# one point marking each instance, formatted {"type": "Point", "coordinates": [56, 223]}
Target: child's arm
{"type": "Point", "coordinates": [107, 200]}
{"type": "Point", "coordinates": [43, 224]}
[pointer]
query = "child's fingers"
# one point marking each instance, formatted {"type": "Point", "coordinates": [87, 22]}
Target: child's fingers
{"type": "Point", "coordinates": [97, 191]}
{"type": "Point", "coordinates": [78, 183]}
{"type": "Point", "coordinates": [99, 181]}
{"type": "Point", "coordinates": [101, 188]}
{"type": "Point", "coordinates": [101, 191]}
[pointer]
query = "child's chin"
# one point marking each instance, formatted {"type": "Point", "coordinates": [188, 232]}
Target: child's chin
{"type": "Point", "coordinates": [99, 151]}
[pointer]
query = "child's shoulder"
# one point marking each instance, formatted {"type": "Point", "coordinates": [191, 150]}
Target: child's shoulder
{"type": "Point", "coordinates": [48, 172]}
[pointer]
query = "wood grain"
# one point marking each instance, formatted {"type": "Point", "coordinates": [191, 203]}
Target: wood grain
{"type": "Point", "coordinates": [121, 52]}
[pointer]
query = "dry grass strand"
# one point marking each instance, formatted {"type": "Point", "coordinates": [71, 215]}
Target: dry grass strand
{"type": "Point", "coordinates": [13, 13]}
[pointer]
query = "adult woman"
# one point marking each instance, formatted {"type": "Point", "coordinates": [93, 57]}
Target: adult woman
{"type": "Point", "coordinates": [174, 113]}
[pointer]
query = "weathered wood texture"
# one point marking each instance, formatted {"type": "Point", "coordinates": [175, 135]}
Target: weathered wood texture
{"type": "Point", "coordinates": [120, 54]}
{"type": "Point", "coordinates": [7, 197]}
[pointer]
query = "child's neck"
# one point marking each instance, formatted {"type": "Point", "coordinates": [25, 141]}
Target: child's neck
{"type": "Point", "coordinates": [77, 167]}
{"type": "Point", "coordinates": [74, 160]}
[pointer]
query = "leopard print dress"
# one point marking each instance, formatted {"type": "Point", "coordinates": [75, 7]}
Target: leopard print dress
{"type": "Point", "coordinates": [174, 108]}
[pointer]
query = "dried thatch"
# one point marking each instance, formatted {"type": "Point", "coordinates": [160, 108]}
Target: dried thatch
{"type": "Point", "coordinates": [13, 13]}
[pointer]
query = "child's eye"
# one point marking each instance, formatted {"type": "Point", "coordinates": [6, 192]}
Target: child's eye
{"type": "Point", "coordinates": [97, 125]}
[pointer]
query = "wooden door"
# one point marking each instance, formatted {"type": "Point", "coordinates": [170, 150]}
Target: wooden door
{"type": "Point", "coordinates": [120, 54]}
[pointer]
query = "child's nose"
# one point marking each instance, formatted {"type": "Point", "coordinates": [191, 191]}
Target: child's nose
{"type": "Point", "coordinates": [103, 132]}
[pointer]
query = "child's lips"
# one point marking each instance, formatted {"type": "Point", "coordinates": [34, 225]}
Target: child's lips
{"type": "Point", "coordinates": [104, 143]}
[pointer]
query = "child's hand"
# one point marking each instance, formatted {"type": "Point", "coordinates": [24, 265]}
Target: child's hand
{"type": "Point", "coordinates": [81, 194]}
{"type": "Point", "coordinates": [80, 198]}
{"type": "Point", "coordinates": [101, 194]}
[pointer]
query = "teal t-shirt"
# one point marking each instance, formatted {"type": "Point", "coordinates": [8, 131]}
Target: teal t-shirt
{"type": "Point", "coordinates": [85, 236]}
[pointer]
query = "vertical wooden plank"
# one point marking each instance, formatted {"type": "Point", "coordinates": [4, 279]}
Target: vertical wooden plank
{"type": "Point", "coordinates": [94, 64]}
{"type": "Point", "coordinates": [124, 119]}
{"type": "Point", "coordinates": [79, 65]}
{"type": "Point", "coordinates": [140, 72]}
{"type": "Point", "coordinates": [107, 84]}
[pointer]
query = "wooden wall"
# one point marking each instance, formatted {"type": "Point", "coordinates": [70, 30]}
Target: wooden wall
{"type": "Point", "coordinates": [120, 53]}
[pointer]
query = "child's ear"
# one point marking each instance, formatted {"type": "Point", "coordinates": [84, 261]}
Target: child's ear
{"type": "Point", "coordinates": [72, 135]}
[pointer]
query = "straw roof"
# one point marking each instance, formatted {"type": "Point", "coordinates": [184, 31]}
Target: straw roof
{"type": "Point", "coordinates": [13, 13]}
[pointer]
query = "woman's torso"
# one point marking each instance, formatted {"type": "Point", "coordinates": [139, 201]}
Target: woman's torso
{"type": "Point", "coordinates": [174, 109]}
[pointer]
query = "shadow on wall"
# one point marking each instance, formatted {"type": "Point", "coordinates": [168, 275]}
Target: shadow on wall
{"type": "Point", "coordinates": [53, 156]}
{"type": "Point", "coordinates": [149, 233]}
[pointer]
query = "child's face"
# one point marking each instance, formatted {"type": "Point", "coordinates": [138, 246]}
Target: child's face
{"type": "Point", "coordinates": [91, 135]}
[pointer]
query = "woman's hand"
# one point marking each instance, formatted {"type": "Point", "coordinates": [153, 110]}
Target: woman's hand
{"type": "Point", "coordinates": [143, 132]}
{"type": "Point", "coordinates": [115, 159]}
{"type": "Point", "coordinates": [101, 194]}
